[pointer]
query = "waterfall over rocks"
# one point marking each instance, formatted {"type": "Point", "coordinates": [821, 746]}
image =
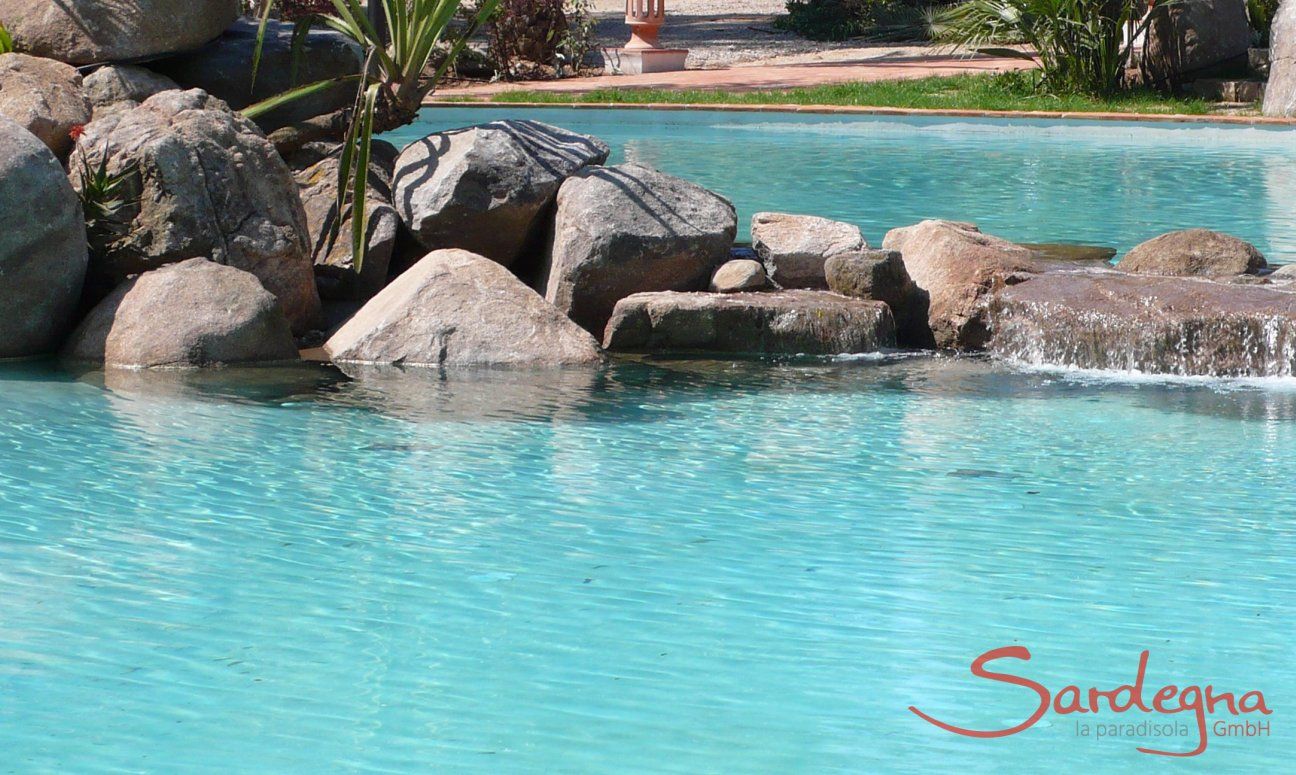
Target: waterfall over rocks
{"type": "Point", "coordinates": [1157, 325]}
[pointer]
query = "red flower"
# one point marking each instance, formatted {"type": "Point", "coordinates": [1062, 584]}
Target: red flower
{"type": "Point", "coordinates": [76, 131]}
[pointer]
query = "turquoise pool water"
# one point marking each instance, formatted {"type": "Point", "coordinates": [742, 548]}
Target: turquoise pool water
{"type": "Point", "coordinates": [683, 567]}
{"type": "Point", "coordinates": [1105, 183]}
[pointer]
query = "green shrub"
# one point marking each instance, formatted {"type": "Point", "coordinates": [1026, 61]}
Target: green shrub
{"type": "Point", "coordinates": [1261, 13]}
{"type": "Point", "coordinates": [842, 19]}
{"type": "Point", "coordinates": [1078, 44]}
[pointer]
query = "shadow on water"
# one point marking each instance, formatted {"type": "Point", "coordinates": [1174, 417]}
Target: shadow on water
{"type": "Point", "coordinates": [656, 389]}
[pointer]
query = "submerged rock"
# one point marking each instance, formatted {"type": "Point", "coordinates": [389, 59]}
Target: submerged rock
{"type": "Point", "coordinates": [335, 270]}
{"type": "Point", "coordinates": [1280, 93]}
{"type": "Point", "coordinates": [455, 308]}
{"type": "Point", "coordinates": [83, 32]}
{"type": "Point", "coordinates": [42, 245]}
{"type": "Point", "coordinates": [782, 322]}
{"type": "Point", "coordinates": [223, 69]}
{"type": "Point", "coordinates": [631, 229]}
{"type": "Point", "coordinates": [739, 275]}
{"type": "Point", "coordinates": [794, 248]}
{"type": "Point", "coordinates": [45, 97]}
{"type": "Point", "coordinates": [1158, 325]}
{"type": "Point", "coordinates": [1193, 252]}
{"type": "Point", "coordinates": [194, 313]}
{"type": "Point", "coordinates": [484, 188]}
{"type": "Point", "coordinates": [203, 182]}
{"type": "Point", "coordinates": [959, 267]}
{"type": "Point", "coordinates": [123, 86]}
{"type": "Point", "coordinates": [880, 275]}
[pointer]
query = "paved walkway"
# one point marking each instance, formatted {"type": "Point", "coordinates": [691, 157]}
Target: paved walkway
{"type": "Point", "coordinates": [764, 76]}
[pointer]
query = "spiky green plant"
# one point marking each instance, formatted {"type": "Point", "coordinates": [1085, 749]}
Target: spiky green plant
{"type": "Point", "coordinates": [1080, 45]}
{"type": "Point", "coordinates": [6, 41]}
{"type": "Point", "coordinates": [106, 199]}
{"type": "Point", "coordinates": [392, 85]}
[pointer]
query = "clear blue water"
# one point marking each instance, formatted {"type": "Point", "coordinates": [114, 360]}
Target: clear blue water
{"type": "Point", "coordinates": [687, 567]}
{"type": "Point", "coordinates": [1103, 183]}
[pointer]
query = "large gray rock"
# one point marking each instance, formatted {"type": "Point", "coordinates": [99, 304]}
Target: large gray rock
{"type": "Point", "coordinates": [1159, 325]}
{"type": "Point", "coordinates": [203, 183]}
{"type": "Point", "coordinates": [42, 245]}
{"type": "Point", "coordinates": [794, 248]}
{"type": "Point", "coordinates": [881, 275]}
{"type": "Point", "coordinates": [1192, 36]}
{"type": "Point", "coordinates": [1193, 252]}
{"type": "Point", "coordinates": [45, 97]}
{"type": "Point", "coordinates": [1280, 94]}
{"type": "Point", "coordinates": [83, 32]}
{"type": "Point", "coordinates": [455, 308]}
{"type": "Point", "coordinates": [959, 267]}
{"type": "Point", "coordinates": [195, 313]}
{"type": "Point", "coordinates": [484, 188]}
{"type": "Point", "coordinates": [798, 322]}
{"type": "Point", "coordinates": [123, 87]}
{"type": "Point", "coordinates": [631, 229]}
{"type": "Point", "coordinates": [223, 68]}
{"type": "Point", "coordinates": [335, 270]}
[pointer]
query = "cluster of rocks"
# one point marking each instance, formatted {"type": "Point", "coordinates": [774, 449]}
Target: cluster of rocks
{"type": "Point", "coordinates": [512, 243]}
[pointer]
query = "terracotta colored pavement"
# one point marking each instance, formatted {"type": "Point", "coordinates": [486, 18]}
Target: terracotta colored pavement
{"type": "Point", "coordinates": [761, 77]}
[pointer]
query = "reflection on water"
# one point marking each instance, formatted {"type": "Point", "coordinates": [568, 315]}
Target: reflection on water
{"type": "Point", "coordinates": [1093, 183]}
{"type": "Point", "coordinates": [714, 566]}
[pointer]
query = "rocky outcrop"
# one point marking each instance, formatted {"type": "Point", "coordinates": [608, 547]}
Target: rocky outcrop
{"type": "Point", "coordinates": [83, 32]}
{"type": "Point", "coordinates": [186, 315]}
{"type": "Point", "coordinates": [223, 68]}
{"type": "Point", "coordinates": [1280, 94]}
{"type": "Point", "coordinates": [335, 270]}
{"type": "Point", "coordinates": [738, 275]}
{"type": "Point", "coordinates": [632, 229]}
{"type": "Point", "coordinates": [45, 98]}
{"type": "Point", "coordinates": [455, 308]}
{"type": "Point", "coordinates": [958, 267]}
{"type": "Point", "coordinates": [1158, 325]}
{"type": "Point", "coordinates": [42, 245]}
{"type": "Point", "coordinates": [794, 248]}
{"type": "Point", "coordinates": [203, 183]}
{"type": "Point", "coordinates": [484, 188]}
{"type": "Point", "coordinates": [1193, 252]}
{"type": "Point", "coordinates": [881, 275]}
{"type": "Point", "coordinates": [123, 86]}
{"type": "Point", "coordinates": [798, 322]}
{"type": "Point", "coordinates": [1196, 37]}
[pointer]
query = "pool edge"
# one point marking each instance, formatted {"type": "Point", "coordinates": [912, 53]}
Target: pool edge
{"type": "Point", "coordinates": [1159, 118]}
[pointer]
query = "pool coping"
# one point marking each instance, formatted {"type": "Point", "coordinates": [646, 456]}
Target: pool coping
{"type": "Point", "coordinates": [863, 110]}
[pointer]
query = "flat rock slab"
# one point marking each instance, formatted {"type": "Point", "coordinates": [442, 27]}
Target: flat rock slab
{"type": "Point", "coordinates": [797, 322]}
{"type": "Point", "coordinates": [1157, 325]}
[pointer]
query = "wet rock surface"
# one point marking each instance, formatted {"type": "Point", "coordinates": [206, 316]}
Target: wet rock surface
{"type": "Point", "coordinates": [1158, 325]}
{"type": "Point", "coordinates": [782, 322]}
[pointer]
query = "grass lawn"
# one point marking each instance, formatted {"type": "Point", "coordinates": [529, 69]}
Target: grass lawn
{"type": "Point", "coordinates": [1011, 91]}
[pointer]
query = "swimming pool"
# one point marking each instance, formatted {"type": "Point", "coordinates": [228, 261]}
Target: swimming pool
{"type": "Point", "coordinates": [687, 566]}
{"type": "Point", "coordinates": [1092, 182]}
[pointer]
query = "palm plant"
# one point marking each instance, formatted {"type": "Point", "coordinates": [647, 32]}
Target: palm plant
{"type": "Point", "coordinates": [1080, 45]}
{"type": "Point", "coordinates": [391, 86]}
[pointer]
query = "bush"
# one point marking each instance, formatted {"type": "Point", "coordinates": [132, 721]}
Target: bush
{"type": "Point", "coordinates": [291, 10]}
{"type": "Point", "coordinates": [528, 35]}
{"type": "Point", "coordinates": [842, 19]}
{"type": "Point", "coordinates": [1079, 44]}
{"type": "Point", "coordinates": [1261, 13]}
